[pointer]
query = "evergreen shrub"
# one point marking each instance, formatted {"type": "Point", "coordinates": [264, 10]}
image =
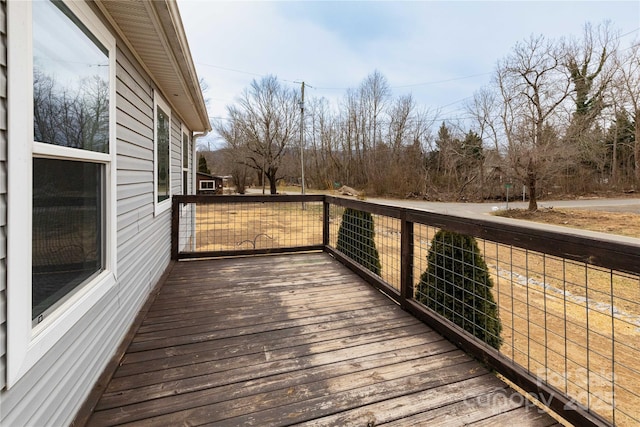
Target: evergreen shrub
{"type": "Point", "coordinates": [457, 285]}
{"type": "Point", "coordinates": [356, 239]}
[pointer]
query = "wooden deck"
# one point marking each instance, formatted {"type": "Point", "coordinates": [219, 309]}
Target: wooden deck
{"type": "Point", "coordinates": [295, 339]}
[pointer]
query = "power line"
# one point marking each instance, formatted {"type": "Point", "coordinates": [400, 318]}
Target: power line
{"type": "Point", "coordinates": [427, 83]}
{"type": "Point", "coordinates": [342, 88]}
{"type": "Point", "coordinates": [219, 118]}
{"type": "Point", "coordinates": [414, 84]}
{"type": "Point", "coordinates": [230, 69]}
{"type": "Point", "coordinates": [456, 102]}
{"type": "Point", "coordinates": [241, 71]}
{"type": "Point", "coordinates": [626, 34]}
{"type": "Point", "coordinates": [440, 81]}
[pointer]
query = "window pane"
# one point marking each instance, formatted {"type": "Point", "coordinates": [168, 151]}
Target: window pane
{"type": "Point", "coordinates": [185, 182]}
{"type": "Point", "coordinates": [207, 185]}
{"type": "Point", "coordinates": [70, 85]}
{"type": "Point", "coordinates": [67, 229]}
{"type": "Point", "coordinates": [162, 145]}
{"type": "Point", "coordinates": [185, 151]}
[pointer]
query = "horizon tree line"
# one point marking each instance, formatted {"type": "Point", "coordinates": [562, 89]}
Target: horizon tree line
{"type": "Point", "coordinates": [560, 115]}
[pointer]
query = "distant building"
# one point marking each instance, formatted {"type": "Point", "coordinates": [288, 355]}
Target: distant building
{"type": "Point", "coordinates": [208, 184]}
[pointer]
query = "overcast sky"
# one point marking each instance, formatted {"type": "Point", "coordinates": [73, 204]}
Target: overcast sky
{"type": "Point", "coordinates": [440, 51]}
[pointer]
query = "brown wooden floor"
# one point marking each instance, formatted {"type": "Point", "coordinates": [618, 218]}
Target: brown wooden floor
{"type": "Point", "coordinates": [295, 339]}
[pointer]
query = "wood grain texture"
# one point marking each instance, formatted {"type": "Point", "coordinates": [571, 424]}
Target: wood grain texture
{"type": "Point", "coordinates": [294, 339]}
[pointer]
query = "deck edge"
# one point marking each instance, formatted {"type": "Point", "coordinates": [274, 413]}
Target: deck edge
{"type": "Point", "coordinates": [86, 410]}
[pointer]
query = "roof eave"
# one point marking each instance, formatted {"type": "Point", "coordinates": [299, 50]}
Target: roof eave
{"type": "Point", "coordinates": [164, 36]}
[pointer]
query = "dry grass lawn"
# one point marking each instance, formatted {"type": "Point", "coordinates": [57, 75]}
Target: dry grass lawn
{"type": "Point", "coordinates": [624, 224]}
{"type": "Point", "coordinates": [596, 340]}
{"type": "Point", "coordinates": [556, 314]}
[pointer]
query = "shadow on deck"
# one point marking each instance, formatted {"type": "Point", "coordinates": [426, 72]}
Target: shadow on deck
{"type": "Point", "coordinates": [295, 339]}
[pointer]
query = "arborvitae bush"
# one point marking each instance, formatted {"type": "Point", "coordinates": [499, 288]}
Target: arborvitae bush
{"type": "Point", "coordinates": [355, 239]}
{"type": "Point", "coordinates": [457, 285]}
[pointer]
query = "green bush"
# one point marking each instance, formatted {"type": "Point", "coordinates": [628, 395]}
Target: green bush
{"type": "Point", "coordinates": [355, 239]}
{"type": "Point", "coordinates": [457, 285]}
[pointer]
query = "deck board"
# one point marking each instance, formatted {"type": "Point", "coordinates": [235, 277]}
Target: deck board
{"type": "Point", "coordinates": [295, 339]}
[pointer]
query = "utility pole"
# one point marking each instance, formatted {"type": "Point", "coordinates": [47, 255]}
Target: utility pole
{"type": "Point", "coordinates": [264, 165]}
{"type": "Point", "coordinates": [302, 134]}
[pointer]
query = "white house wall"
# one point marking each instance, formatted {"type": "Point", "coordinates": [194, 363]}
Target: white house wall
{"type": "Point", "coordinates": [53, 390]}
{"type": "Point", "coordinates": [3, 189]}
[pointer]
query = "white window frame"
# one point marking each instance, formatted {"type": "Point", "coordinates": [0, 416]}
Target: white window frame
{"type": "Point", "coordinates": [165, 205]}
{"type": "Point", "coordinates": [208, 181]}
{"type": "Point", "coordinates": [27, 344]}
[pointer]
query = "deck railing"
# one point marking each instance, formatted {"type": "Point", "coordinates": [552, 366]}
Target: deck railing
{"type": "Point", "coordinates": [561, 318]}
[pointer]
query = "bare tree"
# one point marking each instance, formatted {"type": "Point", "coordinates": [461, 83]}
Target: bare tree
{"type": "Point", "coordinates": [589, 62]}
{"type": "Point", "coordinates": [400, 118]}
{"type": "Point", "coordinates": [326, 161]}
{"type": "Point", "coordinates": [380, 139]}
{"type": "Point", "coordinates": [362, 114]}
{"type": "Point", "coordinates": [46, 108]}
{"type": "Point", "coordinates": [374, 97]}
{"type": "Point", "coordinates": [533, 86]}
{"type": "Point", "coordinates": [204, 88]}
{"type": "Point", "coordinates": [70, 115]}
{"type": "Point", "coordinates": [628, 88]}
{"type": "Point", "coordinates": [591, 66]}
{"type": "Point", "coordinates": [484, 108]}
{"type": "Point", "coordinates": [263, 126]}
{"type": "Point", "coordinates": [235, 153]}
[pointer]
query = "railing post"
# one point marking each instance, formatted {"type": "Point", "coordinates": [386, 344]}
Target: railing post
{"type": "Point", "coordinates": [325, 222]}
{"type": "Point", "coordinates": [175, 227]}
{"type": "Point", "coordinates": [406, 259]}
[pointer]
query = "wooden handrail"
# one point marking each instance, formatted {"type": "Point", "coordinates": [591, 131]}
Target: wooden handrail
{"type": "Point", "coordinates": [608, 252]}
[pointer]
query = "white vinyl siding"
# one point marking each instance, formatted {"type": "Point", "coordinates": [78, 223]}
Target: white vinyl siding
{"type": "Point", "coordinates": [51, 392]}
{"type": "Point", "coordinates": [3, 190]}
{"type": "Point", "coordinates": [27, 345]}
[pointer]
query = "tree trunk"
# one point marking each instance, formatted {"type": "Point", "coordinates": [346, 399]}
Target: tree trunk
{"type": "Point", "coordinates": [614, 159]}
{"type": "Point", "coordinates": [482, 181]}
{"type": "Point", "coordinates": [636, 147]}
{"type": "Point", "coordinates": [271, 176]}
{"type": "Point", "coordinates": [531, 186]}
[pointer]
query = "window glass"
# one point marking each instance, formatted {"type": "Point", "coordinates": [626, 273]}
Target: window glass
{"type": "Point", "coordinates": [185, 151]}
{"type": "Point", "coordinates": [70, 85]}
{"type": "Point", "coordinates": [71, 109]}
{"type": "Point", "coordinates": [185, 163]}
{"type": "Point", "coordinates": [67, 229]}
{"type": "Point", "coordinates": [207, 185]}
{"type": "Point", "coordinates": [162, 147]}
{"type": "Point", "coordinates": [185, 181]}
